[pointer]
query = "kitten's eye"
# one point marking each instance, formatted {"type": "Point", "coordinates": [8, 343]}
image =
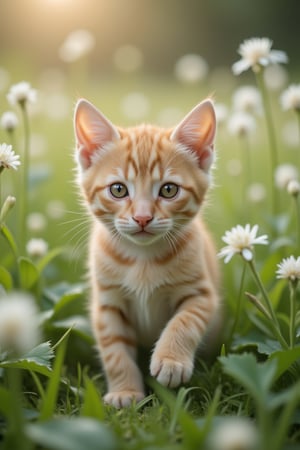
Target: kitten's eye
{"type": "Point", "coordinates": [118, 190]}
{"type": "Point", "coordinates": [168, 190]}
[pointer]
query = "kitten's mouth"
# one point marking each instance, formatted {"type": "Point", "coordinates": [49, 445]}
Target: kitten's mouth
{"type": "Point", "coordinates": [143, 233]}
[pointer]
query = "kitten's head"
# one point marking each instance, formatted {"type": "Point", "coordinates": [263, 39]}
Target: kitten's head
{"type": "Point", "coordinates": [144, 183]}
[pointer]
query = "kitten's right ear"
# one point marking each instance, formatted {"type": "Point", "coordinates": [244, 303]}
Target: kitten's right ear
{"type": "Point", "coordinates": [92, 131]}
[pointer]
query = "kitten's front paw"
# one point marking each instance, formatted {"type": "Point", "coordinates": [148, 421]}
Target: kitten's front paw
{"type": "Point", "coordinates": [122, 399]}
{"type": "Point", "coordinates": [171, 373]}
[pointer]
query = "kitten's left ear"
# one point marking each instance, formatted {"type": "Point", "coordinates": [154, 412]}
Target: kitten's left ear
{"type": "Point", "coordinates": [197, 132]}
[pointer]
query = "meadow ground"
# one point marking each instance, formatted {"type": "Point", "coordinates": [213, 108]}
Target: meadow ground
{"type": "Point", "coordinates": [247, 395]}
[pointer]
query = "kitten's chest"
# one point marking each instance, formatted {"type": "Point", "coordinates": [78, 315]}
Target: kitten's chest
{"type": "Point", "coordinates": [149, 302]}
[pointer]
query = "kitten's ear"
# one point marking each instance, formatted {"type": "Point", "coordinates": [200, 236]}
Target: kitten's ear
{"type": "Point", "coordinates": [197, 132]}
{"type": "Point", "coordinates": [92, 131]}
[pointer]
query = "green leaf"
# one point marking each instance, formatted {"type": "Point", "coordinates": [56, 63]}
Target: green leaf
{"type": "Point", "coordinates": [29, 274]}
{"type": "Point", "coordinates": [51, 394]}
{"type": "Point", "coordinates": [92, 405]}
{"type": "Point", "coordinates": [37, 360]}
{"type": "Point", "coordinates": [68, 298]}
{"type": "Point", "coordinates": [48, 258]}
{"type": "Point", "coordinates": [5, 402]}
{"type": "Point", "coordinates": [256, 377]}
{"type": "Point", "coordinates": [9, 238]}
{"type": "Point", "coordinates": [285, 359]}
{"type": "Point", "coordinates": [79, 325]}
{"type": "Point", "coordinates": [72, 434]}
{"type": "Point", "coordinates": [6, 279]}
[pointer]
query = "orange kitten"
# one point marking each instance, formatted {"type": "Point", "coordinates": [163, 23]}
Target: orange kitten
{"type": "Point", "coordinates": [153, 268]}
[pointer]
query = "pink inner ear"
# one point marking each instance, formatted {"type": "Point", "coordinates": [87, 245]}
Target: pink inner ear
{"type": "Point", "coordinates": [92, 131]}
{"type": "Point", "coordinates": [197, 132]}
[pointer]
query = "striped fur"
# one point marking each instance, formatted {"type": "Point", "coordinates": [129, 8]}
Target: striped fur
{"type": "Point", "coordinates": [153, 270]}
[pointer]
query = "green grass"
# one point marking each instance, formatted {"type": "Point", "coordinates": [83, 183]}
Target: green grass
{"type": "Point", "coordinates": [51, 396]}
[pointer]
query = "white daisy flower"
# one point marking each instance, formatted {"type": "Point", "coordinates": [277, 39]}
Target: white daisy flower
{"type": "Point", "coordinates": [289, 268]}
{"type": "Point", "coordinates": [241, 124]}
{"type": "Point", "coordinates": [240, 240]}
{"type": "Point", "coordinates": [8, 158]}
{"type": "Point", "coordinates": [9, 121]}
{"type": "Point", "coordinates": [19, 331]}
{"type": "Point", "coordinates": [21, 93]}
{"type": "Point", "coordinates": [248, 99]}
{"type": "Point", "coordinates": [37, 247]}
{"type": "Point", "coordinates": [285, 173]}
{"type": "Point", "coordinates": [290, 98]}
{"type": "Point", "coordinates": [257, 53]}
{"type": "Point", "coordinates": [234, 434]}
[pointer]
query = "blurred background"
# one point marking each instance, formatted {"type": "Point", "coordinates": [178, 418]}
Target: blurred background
{"type": "Point", "coordinates": [137, 60]}
{"type": "Point", "coordinates": [162, 30]}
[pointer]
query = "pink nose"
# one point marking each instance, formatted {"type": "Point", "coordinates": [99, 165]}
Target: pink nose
{"type": "Point", "coordinates": [142, 220]}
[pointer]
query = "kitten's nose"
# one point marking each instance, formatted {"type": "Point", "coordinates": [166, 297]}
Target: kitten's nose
{"type": "Point", "coordinates": [142, 220]}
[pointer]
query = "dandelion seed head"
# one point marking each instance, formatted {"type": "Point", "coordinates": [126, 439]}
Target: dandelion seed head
{"type": "Point", "coordinates": [36, 247]}
{"type": "Point", "coordinates": [285, 173]}
{"type": "Point", "coordinates": [289, 268]}
{"type": "Point", "coordinates": [290, 98]}
{"type": "Point", "coordinates": [234, 434]}
{"type": "Point", "coordinates": [247, 99]}
{"type": "Point", "coordinates": [8, 158]}
{"type": "Point", "coordinates": [21, 93]}
{"type": "Point", "coordinates": [9, 121]}
{"type": "Point", "coordinates": [241, 124]}
{"type": "Point", "coordinates": [240, 240]}
{"type": "Point", "coordinates": [19, 330]}
{"type": "Point", "coordinates": [293, 187]}
{"type": "Point", "coordinates": [191, 68]}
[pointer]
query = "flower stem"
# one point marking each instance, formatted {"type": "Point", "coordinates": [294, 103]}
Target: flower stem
{"type": "Point", "coordinates": [271, 135]}
{"type": "Point", "coordinates": [273, 322]}
{"type": "Point", "coordinates": [25, 181]}
{"type": "Point", "coordinates": [293, 287]}
{"type": "Point", "coordinates": [297, 220]}
{"type": "Point", "coordinates": [238, 308]}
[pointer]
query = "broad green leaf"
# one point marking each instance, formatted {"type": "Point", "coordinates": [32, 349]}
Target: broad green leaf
{"type": "Point", "coordinates": [268, 347]}
{"type": "Point", "coordinates": [256, 377]}
{"type": "Point", "coordinates": [68, 298]}
{"type": "Point", "coordinates": [285, 359]}
{"type": "Point", "coordinates": [9, 238]}
{"type": "Point", "coordinates": [92, 404]}
{"type": "Point", "coordinates": [56, 292]}
{"type": "Point", "coordinates": [72, 434]}
{"type": "Point", "coordinates": [29, 274]}
{"type": "Point", "coordinates": [37, 360]}
{"type": "Point", "coordinates": [6, 279]}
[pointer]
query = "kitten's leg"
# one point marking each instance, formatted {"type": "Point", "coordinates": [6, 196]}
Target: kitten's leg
{"type": "Point", "coordinates": [172, 361]}
{"type": "Point", "coordinates": [117, 344]}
